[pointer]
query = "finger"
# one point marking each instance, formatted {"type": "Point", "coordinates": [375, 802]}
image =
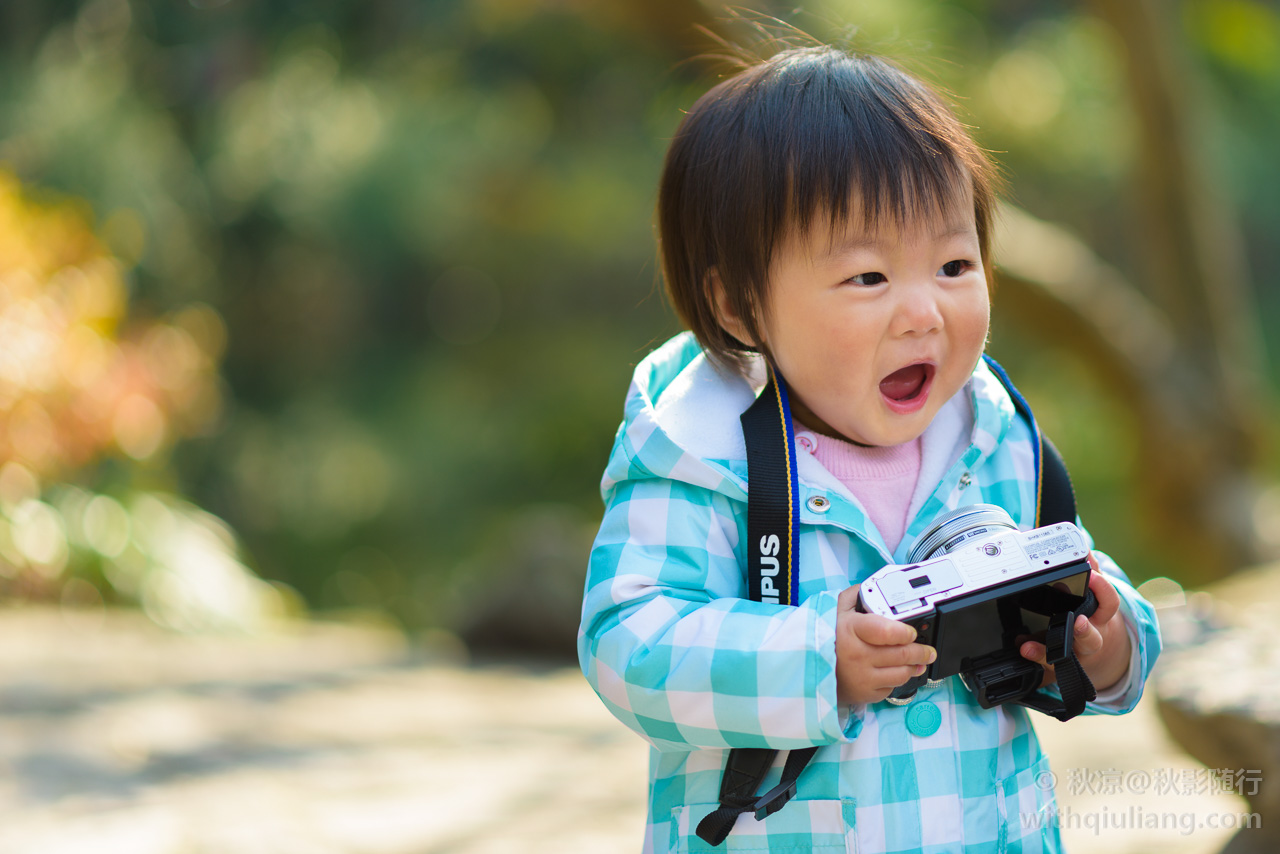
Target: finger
{"type": "Point", "coordinates": [847, 599]}
{"type": "Point", "coordinates": [1105, 593]}
{"type": "Point", "coordinates": [905, 655]}
{"type": "Point", "coordinates": [1088, 640]}
{"type": "Point", "coordinates": [881, 631]}
{"type": "Point", "coordinates": [892, 677]}
{"type": "Point", "coordinates": [881, 694]}
{"type": "Point", "coordinates": [1034, 651]}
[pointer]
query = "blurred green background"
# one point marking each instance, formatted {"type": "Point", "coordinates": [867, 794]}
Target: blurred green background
{"type": "Point", "coordinates": [332, 305]}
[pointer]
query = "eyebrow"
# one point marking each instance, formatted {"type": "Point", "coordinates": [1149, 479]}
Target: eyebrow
{"type": "Point", "coordinates": [836, 250]}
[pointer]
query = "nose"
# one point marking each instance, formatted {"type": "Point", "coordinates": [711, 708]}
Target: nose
{"type": "Point", "coordinates": [919, 310]}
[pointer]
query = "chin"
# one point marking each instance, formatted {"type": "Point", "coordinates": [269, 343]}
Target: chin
{"type": "Point", "coordinates": [911, 432]}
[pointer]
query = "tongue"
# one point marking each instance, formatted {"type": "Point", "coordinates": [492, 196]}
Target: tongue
{"type": "Point", "coordinates": [903, 384]}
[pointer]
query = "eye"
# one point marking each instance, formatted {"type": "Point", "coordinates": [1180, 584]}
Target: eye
{"type": "Point", "coordinates": [867, 279]}
{"type": "Point", "coordinates": [952, 269]}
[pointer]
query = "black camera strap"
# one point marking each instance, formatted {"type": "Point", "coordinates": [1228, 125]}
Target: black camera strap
{"type": "Point", "coordinates": [773, 530]}
{"type": "Point", "coordinates": [1073, 683]}
{"type": "Point", "coordinates": [773, 502]}
{"type": "Point", "coordinates": [773, 527]}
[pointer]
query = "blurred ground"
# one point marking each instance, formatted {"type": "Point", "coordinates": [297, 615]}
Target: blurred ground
{"type": "Point", "coordinates": [328, 739]}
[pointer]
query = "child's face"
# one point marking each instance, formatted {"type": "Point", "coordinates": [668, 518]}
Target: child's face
{"type": "Point", "coordinates": [874, 332]}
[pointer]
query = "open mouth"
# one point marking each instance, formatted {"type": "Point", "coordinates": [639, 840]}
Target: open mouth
{"type": "Point", "coordinates": [906, 388]}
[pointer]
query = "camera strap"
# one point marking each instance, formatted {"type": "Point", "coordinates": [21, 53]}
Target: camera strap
{"type": "Point", "coordinates": [773, 529]}
{"type": "Point", "coordinates": [773, 500]}
{"type": "Point", "coordinates": [1073, 683]}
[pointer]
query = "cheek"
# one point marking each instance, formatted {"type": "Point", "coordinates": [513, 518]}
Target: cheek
{"type": "Point", "coordinates": [818, 341]}
{"type": "Point", "coordinates": [975, 319]}
{"type": "Point", "coordinates": [982, 327]}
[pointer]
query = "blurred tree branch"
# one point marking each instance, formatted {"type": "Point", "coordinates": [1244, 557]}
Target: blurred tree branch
{"type": "Point", "coordinates": [1185, 352]}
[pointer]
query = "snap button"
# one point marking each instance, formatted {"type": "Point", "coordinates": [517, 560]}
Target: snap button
{"type": "Point", "coordinates": [965, 480]}
{"type": "Point", "coordinates": [818, 504]}
{"type": "Point", "coordinates": [808, 441]}
{"type": "Point", "coordinates": [924, 718]}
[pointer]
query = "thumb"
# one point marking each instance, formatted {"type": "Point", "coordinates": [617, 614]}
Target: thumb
{"type": "Point", "coordinates": [848, 599]}
{"type": "Point", "coordinates": [882, 631]}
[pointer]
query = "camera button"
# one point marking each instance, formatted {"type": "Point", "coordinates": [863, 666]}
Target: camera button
{"type": "Point", "coordinates": [923, 719]}
{"type": "Point", "coordinates": [818, 504]}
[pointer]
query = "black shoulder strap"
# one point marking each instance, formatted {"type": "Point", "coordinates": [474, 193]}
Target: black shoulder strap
{"type": "Point", "coordinates": [773, 525]}
{"type": "Point", "coordinates": [773, 505]}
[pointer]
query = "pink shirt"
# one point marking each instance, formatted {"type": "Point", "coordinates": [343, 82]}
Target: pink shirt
{"type": "Point", "coordinates": [883, 479]}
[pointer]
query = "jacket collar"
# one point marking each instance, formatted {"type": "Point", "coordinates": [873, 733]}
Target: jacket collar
{"type": "Point", "coordinates": [682, 422]}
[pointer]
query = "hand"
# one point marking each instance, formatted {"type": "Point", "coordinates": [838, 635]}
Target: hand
{"type": "Point", "coordinates": [874, 654]}
{"type": "Point", "coordinates": [1101, 642]}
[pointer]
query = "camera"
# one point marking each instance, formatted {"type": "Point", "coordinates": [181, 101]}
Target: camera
{"type": "Point", "coordinates": [975, 589]}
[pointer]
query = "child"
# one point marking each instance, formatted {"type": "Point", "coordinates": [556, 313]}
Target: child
{"type": "Point", "coordinates": [828, 213]}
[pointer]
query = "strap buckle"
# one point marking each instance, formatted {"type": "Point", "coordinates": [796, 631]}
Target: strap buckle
{"type": "Point", "coordinates": [1059, 640]}
{"type": "Point", "coordinates": [774, 800]}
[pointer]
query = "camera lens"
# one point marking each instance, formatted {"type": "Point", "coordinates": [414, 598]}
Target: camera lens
{"type": "Point", "coordinates": [953, 529]}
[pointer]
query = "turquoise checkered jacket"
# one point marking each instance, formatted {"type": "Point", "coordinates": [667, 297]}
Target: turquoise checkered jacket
{"type": "Point", "coordinates": [678, 653]}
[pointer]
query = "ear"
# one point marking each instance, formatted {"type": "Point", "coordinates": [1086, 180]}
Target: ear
{"type": "Point", "coordinates": [728, 319]}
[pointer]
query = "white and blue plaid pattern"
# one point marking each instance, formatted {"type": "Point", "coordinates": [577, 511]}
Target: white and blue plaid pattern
{"type": "Point", "coordinates": [679, 654]}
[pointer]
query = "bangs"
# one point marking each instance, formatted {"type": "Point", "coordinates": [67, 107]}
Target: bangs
{"type": "Point", "coordinates": [843, 193]}
{"type": "Point", "coordinates": [865, 146]}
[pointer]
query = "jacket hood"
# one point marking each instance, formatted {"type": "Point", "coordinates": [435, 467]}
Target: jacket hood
{"type": "Point", "coordinates": [681, 422]}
